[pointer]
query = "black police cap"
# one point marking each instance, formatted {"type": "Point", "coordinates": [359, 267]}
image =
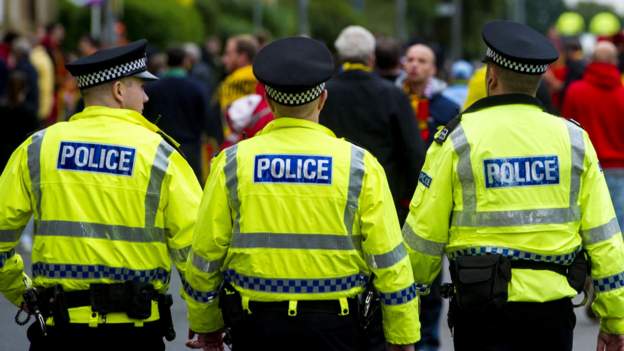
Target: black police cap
{"type": "Point", "coordinates": [294, 70]}
{"type": "Point", "coordinates": [111, 64]}
{"type": "Point", "coordinates": [518, 47]}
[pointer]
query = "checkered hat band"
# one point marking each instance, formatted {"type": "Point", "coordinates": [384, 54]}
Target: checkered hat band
{"type": "Point", "coordinates": [513, 65]}
{"type": "Point", "coordinates": [106, 75]}
{"type": "Point", "coordinates": [295, 99]}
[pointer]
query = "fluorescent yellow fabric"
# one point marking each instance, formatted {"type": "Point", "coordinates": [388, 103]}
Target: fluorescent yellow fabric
{"type": "Point", "coordinates": [296, 235]}
{"type": "Point", "coordinates": [476, 87]}
{"type": "Point", "coordinates": [94, 227]}
{"type": "Point", "coordinates": [529, 222]}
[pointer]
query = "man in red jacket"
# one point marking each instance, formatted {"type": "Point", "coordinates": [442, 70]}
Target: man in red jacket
{"type": "Point", "coordinates": [597, 103]}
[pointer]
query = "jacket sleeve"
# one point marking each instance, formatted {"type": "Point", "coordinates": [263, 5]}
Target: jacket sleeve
{"type": "Point", "coordinates": [426, 229]}
{"type": "Point", "coordinates": [211, 240]}
{"type": "Point", "coordinates": [15, 211]}
{"type": "Point", "coordinates": [386, 256]}
{"type": "Point", "coordinates": [184, 194]}
{"type": "Point", "coordinates": [412, 146]}
{"type": "Point", "coordinates": [603, 241]}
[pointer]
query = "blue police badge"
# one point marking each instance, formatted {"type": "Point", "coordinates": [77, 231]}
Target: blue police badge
{"type": "Point", "coordinates": [306, 169]}
{"type": "Point", "coordinates": [100, 158]}
{"type": "Point", "coordinates": [521, 171]}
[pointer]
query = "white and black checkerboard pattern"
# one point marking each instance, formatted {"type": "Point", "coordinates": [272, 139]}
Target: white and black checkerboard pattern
{"type": "Point", "coordinates": [515, 66]}
{"type": "Point", "coordinates": [295, 99]}
{"type": "Point", "coordinates": [122, 70]}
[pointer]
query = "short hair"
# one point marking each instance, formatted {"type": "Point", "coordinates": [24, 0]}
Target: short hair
{"type": "Point", "coordinates": [355, 43]}
{"type": "Point", "coordinates": [246, 44]}
{"type": "Point", "coordinates": [192, 50]}
{"type": "Point", "coordinates": [514, 82]}
{"type": "Point", "coordinates": [387, 53]}
{"type": "Point", "coordinates": [175, 57]}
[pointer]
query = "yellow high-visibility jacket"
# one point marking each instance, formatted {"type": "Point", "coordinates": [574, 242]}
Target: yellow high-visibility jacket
{"type": "Point", "coordinates": [516, 181]}
{"type": "Point", "coordinates": [112, 201]}
{"type": "Point", "coordinates": [297, 214]}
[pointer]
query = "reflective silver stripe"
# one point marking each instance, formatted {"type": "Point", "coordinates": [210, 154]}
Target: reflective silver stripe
{"type": "Point", "coordinates": [293, 241]}
{"type": "Point", "coordinates": [421, 245]}
{"type": "Point", "coordinates": [34, 167]}
{"type": "Point", "coordinates": [204, 265]}
{"type": "Point", "coordinates": [356, 175]}
{"type": "Point", "coordinates": [388, 259]}
{"type": "Point", "coordinates": [157, 174]}
{"type": "Point", "coordinates": [601, 233]}
{"type": "Point", "coordinates": [512, 218]}
{"type": "Point", "coordinates": [231, 181]}
{"type": "Point", "coordinates": [179, 255]}
{"type": "Point", "coordinates": [578, 158]}
{"type": "Point", "coordinates": [464, 170]}
{"type": "Point", "coordinates": [10, 235]}
{"type": "Point", "coordinates": [99, 231]}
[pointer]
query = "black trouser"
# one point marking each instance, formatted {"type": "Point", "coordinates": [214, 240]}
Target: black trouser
{"type": "Point", "coordinates": [517, 326]}
{"type": "Point", "coordinates": [116, 337]}
{"type": "Point", "coordinates": [273, 329]}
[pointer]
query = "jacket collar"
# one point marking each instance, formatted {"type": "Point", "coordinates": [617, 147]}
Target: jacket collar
{"type": "Point", "coordinates": [506, 99]}
{"type": "Point", "coordinates": [289, 122]}
{"type": "Point", "coordinates": [123, 114]}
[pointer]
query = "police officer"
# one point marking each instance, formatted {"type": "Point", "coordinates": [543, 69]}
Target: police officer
{"type": "Point", "coordinates": [296, 221]}
{"type": "Point", "coordinates": [114, 204]}
{"type": "Point", "coordinates": [512, 195]}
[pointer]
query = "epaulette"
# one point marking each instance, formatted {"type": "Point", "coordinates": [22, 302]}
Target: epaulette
{"type": "Point", "coordinates": [443, 134]}
{"type": "Point", "coordinates": [174, 144]}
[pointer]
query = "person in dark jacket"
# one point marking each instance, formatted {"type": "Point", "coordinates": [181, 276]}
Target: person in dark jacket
{"type": "Point", "coordinates": [369, 111]}
{"type": "Point", "coordinates": [179, 105]}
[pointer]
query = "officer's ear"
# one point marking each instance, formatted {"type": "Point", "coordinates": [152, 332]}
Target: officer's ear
{"type": "Point", "coordinates": [491, 79]}
{"type": "Point", "coordinates": [118, 90]}
{"type": "Point", "coordinates": [322, 99]}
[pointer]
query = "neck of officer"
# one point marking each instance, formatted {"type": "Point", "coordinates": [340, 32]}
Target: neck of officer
{"type": "Point", "coordinates": [309, 112]}
{"type": "Point", "coordinates": [100, 96]}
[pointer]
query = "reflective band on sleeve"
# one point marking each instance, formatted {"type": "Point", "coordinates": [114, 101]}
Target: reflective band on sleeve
{"type": "Point", "coordinates": [231, 181]}
{"type": "Point", "coordinates": [34, 168]}
{"type": "Point", "coordinates": [157, 175]}
{"type": "Point", "coordinates": [421, 245]}
{"type": "Point", "coordinates": [296, 286]}
{"type": "Point", "coordinates": [199, 296]}
{"type": "Point", "coordinates": [10, 235]}
{"type": "Point", "coordinates": [356, 176]}
{"type": "Point", "coordinates": [513, 218]}
{"type": "Point", "coordinates": [293, 241]}
{"type": "Point", "coordinates": [399, 297]}
{"type": "Point", "coordinates": [615, 281]}
{"type": "Point", "coordinates": [464, 170]}
{"type": "Point", "coordinates": [179, 255]}
{"type": "Point", "coordinates": [601, 233]}
{"type": "Point", "coordinates": [205, 265]}
{"type": "Point", "coordinates": [99, 231]}
{"type": "Point", "coordinates": [513, 254]}
{"type": "Point", "coordinates": [4, 256]}
{"type": "Point", "coordinates": [388, 259]}
{"type": "Point", "coordinates": [77, 271]}
{"type": "Point", "coordinates": [578, 158]}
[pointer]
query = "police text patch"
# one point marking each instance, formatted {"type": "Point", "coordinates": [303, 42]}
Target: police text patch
{"type": "Point", "coordinates": [425, 179]}
{"type": "Point", "coordinates": [521, 171]}
{"type": "Point", "coordinates": [100, 158]}
{"type": "Point", "coordinates": [293, 169]}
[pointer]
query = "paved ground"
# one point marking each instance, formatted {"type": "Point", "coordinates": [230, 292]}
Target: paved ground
{"type": "Point", "coordinates": [13, 337]}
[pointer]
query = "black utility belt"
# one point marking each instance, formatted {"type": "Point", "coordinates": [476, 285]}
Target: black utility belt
{"type": "Point", "coordinates": [481, 281]}
{"type": "Point", "coordinates": [135, 299]}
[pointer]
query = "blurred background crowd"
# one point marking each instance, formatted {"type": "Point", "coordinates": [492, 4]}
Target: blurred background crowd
{"type": "Point", "coordinates": [202, 50]}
